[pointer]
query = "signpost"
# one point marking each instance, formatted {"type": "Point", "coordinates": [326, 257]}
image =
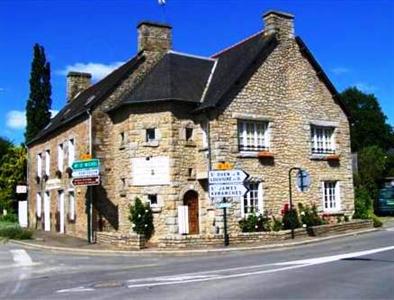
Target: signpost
{"type": "Point", "coordinates": [223, 184]}
{"type": "Point", "coordinates": [303, 182]}
{"type": "Point", "coordinates": [86, 172]}
{"type": "Point", "coordinates": [227, 190]}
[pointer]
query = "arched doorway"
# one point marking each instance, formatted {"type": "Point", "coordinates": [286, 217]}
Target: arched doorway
{"type": "Point", "coordinates": [191, 200]}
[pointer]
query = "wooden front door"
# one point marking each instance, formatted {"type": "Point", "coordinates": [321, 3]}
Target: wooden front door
{"type": "Point", "coordinates": [191, 200]}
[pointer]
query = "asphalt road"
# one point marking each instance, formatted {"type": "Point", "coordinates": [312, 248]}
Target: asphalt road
{"type": "Point", "coordinates": [356, 267]}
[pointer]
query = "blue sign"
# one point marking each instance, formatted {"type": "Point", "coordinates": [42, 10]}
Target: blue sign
{"type": "Point", "coordinates": [303, 180]}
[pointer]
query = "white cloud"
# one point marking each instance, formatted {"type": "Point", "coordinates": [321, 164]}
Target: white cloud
{"type": "Point", "coordinates": [340, 70]}
{"type": "Point", "coordinates": [16, 119]}
{"type": "Point", "coordinates": [97, 70]}
{"type": "Point", "coordinates": [365, 87]}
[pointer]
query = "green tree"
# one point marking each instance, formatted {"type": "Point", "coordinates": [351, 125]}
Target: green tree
{"type": "Point", "coordinates": [369, 122]}
{"type": "Point", "coordinates": [39, 103]}
{"type": "Point", "coordinates": [141, 218]}
{"type": "Point", "coordinates": [12, 171]}
{"type": "Point", "coordinates": [5, 146]}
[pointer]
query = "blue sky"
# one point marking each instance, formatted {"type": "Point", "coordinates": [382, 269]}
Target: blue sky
{"type": "Point", "coordinates": [352, 40]}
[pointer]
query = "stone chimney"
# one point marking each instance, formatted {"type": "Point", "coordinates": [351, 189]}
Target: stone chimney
{"type": "Point", "coordinates": [154, 37]}
{"type": "Point", "coordinates": [76, 83]}
{"type": "Point", "coordinates": [280, 23]}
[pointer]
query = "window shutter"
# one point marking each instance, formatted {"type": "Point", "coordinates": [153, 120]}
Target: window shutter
{"type": "Point", "coordinates": [38, 205]}
{"type": "Point", "coordinates": [260, 197]}
{"type": "Point", "coordinates": [338, 196]}
{"type": "Point", "coordinates": [322, 196]}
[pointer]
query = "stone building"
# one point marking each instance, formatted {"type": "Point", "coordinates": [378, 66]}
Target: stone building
{"type": "Point", "coordinates": [159, 122]}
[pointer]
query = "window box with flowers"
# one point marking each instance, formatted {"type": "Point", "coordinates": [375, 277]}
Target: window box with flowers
{"type": "Point", "coordinates": [332, 157]}
{"type": "Point", "coordinates": [265, 154]}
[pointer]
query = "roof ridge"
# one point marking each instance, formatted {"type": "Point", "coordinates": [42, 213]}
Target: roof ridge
{"type": "Point", "coordinates": [215, 55]}
{"type": "Point", "coordinates": [190, 55]}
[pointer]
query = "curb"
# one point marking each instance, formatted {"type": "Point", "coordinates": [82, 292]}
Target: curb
{"type": "Point", "coordinates": [189, 251]}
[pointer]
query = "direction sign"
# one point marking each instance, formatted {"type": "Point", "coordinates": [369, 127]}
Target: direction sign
{"type": "Point", "coordinates": [83, 181]}
{"type": "Point", "coordinates": [227, 177]}
{"type": "Point", "coordinates": [223, 205]}
{"type": "Point", "coordinates": [86, 164]}
{"type": "Point", "coordinates": [303, 180]}
{"type": "Point", "coordinates": [227, 190]}
{"type": "Point", "coordinates": [85, 173]}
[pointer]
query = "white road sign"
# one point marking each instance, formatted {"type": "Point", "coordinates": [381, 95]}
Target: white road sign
{"type": "Point", "coordinates": [227, 176]}
{"type": "Point", "coordinates": [227, 190]}
{"type": "Point", "coordinates": [85, 173]}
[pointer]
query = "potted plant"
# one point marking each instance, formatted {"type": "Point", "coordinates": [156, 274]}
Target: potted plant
{"type": "Point", "coordinates": [332, 157]}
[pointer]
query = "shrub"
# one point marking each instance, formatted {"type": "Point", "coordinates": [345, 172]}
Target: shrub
{"type": "Point", "coordinates": [346, 218]}
{"type": "Point", "coordinates": [376, 221]}
{"type": "Point", "coordinates": [290, 218]}
{"type": "Point", "coordinates": [14, 231]}
{"type": "Point", "coordinates": [255, 223]}
{"type": "Point", "coordinates": [309, 215]}
{"type": "Point", "coordinates": [362, 204]}
{"type": "Point", "coordinates": [141, 217]}
{"type": "Point", "coordinates": [276, 224]}
{"type": "Point", "coordinates": [11, 218]}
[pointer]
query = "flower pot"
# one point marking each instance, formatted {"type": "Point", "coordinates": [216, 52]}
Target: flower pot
{"type": "Point", "coordinates": [265, 154]}
{"type": "Point", "coordinates": [333, 157]}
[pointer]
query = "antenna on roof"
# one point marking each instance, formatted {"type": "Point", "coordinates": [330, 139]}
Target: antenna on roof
{"type": "Point", "coordinates": [162, 3]}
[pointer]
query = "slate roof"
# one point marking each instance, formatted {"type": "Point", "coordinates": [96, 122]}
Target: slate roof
{"type": "Point", "coordinates": [88, 98]}
{"type": "Point", "coordinates": [232, 63]}
{"type": "Point", "coordinates": [202, 81]}
{"type": "Point", "coordinates": [175, 77]}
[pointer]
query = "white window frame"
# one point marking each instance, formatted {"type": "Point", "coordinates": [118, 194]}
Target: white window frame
{"type": "Point", "coordinates": [47, 162]}
{"type": "Point", "coordinates": [253, 135]}
{"type": "Point", "coordinates": [71, 205]}
{"type": "Point", "coordinates": [322, 139]}
{"type": "Point", "coordinates": [71, 151]}
{"type": "Point", "coordinates": [331, 196]}
{"type": "Point", "coordinates": [38, 205]}
{"type": "Point", "coordinates": [149, 200]}
{"type": "Point", "coordinates": [60, 157]}
{"type": "Point", "coordinates": [39, 165]}
{"type": "Point", "coordinates": [147, 138]}
{"type": "Point", "coordinates": [253, 195]}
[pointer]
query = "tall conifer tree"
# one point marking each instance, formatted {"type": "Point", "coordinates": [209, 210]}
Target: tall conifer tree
{"type": "Point", "coordinates": [39, 103]}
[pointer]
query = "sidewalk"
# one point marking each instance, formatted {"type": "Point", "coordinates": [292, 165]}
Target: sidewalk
{"type": "Point", "coordinates": [64, 243]}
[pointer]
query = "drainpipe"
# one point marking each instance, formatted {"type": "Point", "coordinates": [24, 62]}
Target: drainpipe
{"type": "Point", "coordinates": [90, 189]}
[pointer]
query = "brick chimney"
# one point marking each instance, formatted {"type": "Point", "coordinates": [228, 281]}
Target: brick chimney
{"type": "Point", "coordinates": [280, 23]}
{"type": "Point", "coordinates": [76, 83]}
{"type": "Point", "coordinates": [154, 37]}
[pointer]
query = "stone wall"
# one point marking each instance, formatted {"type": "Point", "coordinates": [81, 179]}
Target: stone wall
{"type": "Point", "coordinates": [216, 240]}
{"type": "Point", "coordinates": [77, 227]}
{"type": "Point", "coordinates": [121, 241]}
{"type": "Point", "coordinates": [330, 229]}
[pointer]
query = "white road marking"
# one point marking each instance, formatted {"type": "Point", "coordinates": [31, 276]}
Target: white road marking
{"type": "Point", "coordinates": [21, 258]}
{"type": "Point", "coordinates": [75, 290]}
{"type": "Point", "coordinates": [290, 265]}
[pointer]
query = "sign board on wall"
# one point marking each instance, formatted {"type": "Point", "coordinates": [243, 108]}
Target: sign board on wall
{"type": "Point", "coordinates": [153, 170]}
{"type": "Point", "coordinates": [53, 184]}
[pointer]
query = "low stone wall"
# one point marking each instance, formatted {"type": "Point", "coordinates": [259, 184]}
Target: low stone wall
{"type": "Point", "coordinates": [330, 229]}
{"type": "Point", "coordinates": [244, 238]}
{"type": "Point", "coordinates": [121, 241]}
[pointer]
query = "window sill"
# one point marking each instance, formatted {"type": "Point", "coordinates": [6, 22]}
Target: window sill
{"type": "Point", "coordinates": [190, 144]}
{"type": "Point", "coordinates": [155, 209]}
{"type": "Point", "coordinates": [319, 156]}
{"type": "Point", "coordinates": [246, 154]}
{"type": "Point", "coordinates": [151, 144]}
